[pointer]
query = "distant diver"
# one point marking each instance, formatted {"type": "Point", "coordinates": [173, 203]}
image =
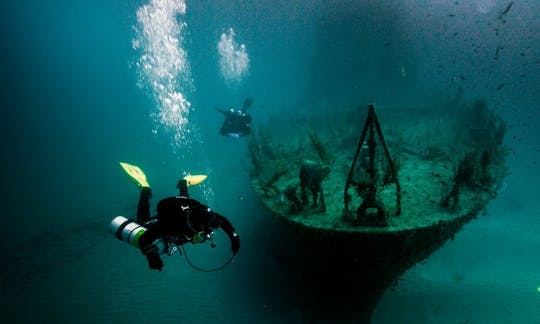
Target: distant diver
{"type": "Point", "coordinates": [179, 220]}
{"type": "Point", "coordinates": [237, 123]}
{"type": "Point", "coordinates": [311, 176]}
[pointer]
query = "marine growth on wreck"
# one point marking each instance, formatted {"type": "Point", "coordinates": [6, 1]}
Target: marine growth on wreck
{"type": "Point", "coordinates": [414, 167]}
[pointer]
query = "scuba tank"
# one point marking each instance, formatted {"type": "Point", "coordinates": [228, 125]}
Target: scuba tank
{"type": "Point", "coordinates": [129, 231]}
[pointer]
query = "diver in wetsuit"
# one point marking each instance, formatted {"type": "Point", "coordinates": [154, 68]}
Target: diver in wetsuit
{"type": "Point", "coordinates": [179, 220]}
{"type": "Point", "coordinates": [237, 123]}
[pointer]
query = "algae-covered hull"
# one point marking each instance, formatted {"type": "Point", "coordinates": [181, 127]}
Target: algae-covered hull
{"type": "Point", "coordinates": [400, 183]}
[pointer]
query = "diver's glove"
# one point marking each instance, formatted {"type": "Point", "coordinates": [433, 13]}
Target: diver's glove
{"type": "Point", "coordinates": [235, 243]}
{"type": "Point", "coordinates": [152, 254]}
{"type": "Point", "coordinates": [154, 261]}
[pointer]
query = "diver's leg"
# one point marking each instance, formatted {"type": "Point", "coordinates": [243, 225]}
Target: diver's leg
{"type": "Point", "coordinates": [143, 208]}
{"type": "Point", "coordinates": [182, 188]}
{"type": "Point", "coordinates": [314, 194]}
{"type": "Point", "coordinates": [303, 194]}
{"type": "Point", "coordinates": [321, 192]}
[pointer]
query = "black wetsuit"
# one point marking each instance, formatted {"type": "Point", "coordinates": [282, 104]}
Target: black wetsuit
{"type": "Point", "coordinates": [236, 123]}
{"type": "Point", "coordinates": [177, 221]}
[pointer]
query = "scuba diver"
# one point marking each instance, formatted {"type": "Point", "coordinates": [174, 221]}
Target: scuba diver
{"type": "Point", "coordinates": [237, 123]}
{"type": "Point", "coordinates": [179, 220]}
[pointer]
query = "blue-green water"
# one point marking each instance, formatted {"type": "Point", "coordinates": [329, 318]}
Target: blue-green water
{"type": "Point", "coordinates": [76, 100]}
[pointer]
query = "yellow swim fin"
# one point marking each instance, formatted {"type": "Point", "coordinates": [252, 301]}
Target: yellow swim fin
{"type": "Point", "coordinates": [194, 179]}
{"type": "Point", "coordinates": [136, 174]}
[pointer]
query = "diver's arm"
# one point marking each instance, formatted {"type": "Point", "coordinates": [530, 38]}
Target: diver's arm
{"type": "Point", "coordinates": [149, 249]}
{"type": "Point", "coordinates": [223, 223]}
{"type": "Point", "coordinates": [204, 219]}
{"type": "Point", "coordinates": [223, 111]}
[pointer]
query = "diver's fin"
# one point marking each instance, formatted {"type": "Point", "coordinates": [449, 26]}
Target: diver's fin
{"type": "Point", "coordinates": [193, 179]}
{"type": "Point", "coordinates": [247, 104]}
{"type": "Point", "coordinates": [223, 111]}
{"type": "Point", "coordinates": [136, 174]}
